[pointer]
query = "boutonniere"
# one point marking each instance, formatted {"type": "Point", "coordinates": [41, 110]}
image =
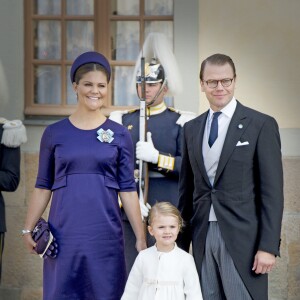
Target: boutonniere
{"type": "Point", "coordinates": [105, 136]}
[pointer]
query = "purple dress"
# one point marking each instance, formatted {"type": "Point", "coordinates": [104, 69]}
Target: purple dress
{"type": "Point", "coordinates": [85, 176]}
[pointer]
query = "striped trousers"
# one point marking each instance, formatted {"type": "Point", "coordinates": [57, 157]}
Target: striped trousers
{"type": "Point", "coordinates": [220, 279]}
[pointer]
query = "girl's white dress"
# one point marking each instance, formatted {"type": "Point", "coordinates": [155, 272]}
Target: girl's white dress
{"type": "Point", "coordinates": [163, 276]}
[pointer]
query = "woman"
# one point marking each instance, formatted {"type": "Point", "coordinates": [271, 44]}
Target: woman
{"type": "Point", "coordinates": [85, 160]}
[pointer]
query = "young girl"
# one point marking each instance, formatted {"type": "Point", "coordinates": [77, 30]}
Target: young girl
{"type": "Point", "coordinates": [163, 271]}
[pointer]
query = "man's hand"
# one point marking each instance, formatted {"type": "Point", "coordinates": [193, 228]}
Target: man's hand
{"type": "Point", "coordinates": [146, 151]}
{"type": "Point", "coordinates": [263, 262]}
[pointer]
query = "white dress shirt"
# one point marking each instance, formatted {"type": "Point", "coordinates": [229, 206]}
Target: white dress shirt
{"type": "Point", "coordinates": [212, 155]}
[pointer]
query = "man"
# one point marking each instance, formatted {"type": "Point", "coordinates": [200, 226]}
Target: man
{"type": "Point", "coordinates": [162, 148]}
{"type": "Point", "coordinates": [231, 189]}
{"type": "Point", "coordinates": [12, 135]}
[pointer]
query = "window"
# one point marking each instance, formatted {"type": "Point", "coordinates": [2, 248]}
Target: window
{"type": "Point", "coordinates": [56, 31]}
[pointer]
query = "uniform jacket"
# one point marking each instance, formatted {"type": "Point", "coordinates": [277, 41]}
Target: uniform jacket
{"type": "Point", "coordinates": [247, 193]}
{"type": "Point", "coordinates": [9, 165]}
{"type": "Point", "coordinates": [167, 138]}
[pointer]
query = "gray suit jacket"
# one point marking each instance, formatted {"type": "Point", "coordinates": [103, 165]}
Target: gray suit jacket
{"type": "Point", "coordinates": [247, 194]}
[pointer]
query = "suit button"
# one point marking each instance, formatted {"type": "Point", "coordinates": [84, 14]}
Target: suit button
{"type": "Point", "coordinates": [213, 191]}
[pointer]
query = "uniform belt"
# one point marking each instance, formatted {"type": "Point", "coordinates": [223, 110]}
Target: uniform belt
{"type": "Point", "coordinates": [153, 174]}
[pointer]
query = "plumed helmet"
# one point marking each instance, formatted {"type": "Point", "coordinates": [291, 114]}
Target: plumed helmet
{"type": "Point", "coordinates": [162, 64]}
{"type": "Point", "coordinates": [154, 72]}
{"type": "Point", "coordinates": [90, 57]}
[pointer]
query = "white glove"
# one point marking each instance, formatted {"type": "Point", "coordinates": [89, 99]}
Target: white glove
{"type": "Point", "coordinates": [145, 209]}
{"type": "Point", "coordinates": [146, 151]}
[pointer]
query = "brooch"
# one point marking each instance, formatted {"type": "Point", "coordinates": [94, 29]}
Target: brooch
{"type": "Point", "coordinates": [105, 136]}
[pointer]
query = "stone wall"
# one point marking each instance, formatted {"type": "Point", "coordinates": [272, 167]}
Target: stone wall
{"type": "Point", "coordinates": [22, 272]}
{"type": "Point", "coordinates": [285, 280]}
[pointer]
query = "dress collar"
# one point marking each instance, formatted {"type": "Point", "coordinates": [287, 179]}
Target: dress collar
{"type": "Point", "coordinates": [161, 252]}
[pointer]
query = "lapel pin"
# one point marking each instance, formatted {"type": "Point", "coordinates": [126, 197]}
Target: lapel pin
{"type": "Point", "coordinates": [240, 126]}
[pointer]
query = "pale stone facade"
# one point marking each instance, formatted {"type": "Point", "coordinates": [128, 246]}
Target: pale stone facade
{"type": "Point", "coordinates": [22, 272]}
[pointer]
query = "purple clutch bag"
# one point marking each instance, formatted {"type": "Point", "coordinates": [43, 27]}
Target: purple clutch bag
{"type": "Point", "coordinates": [45, 242]}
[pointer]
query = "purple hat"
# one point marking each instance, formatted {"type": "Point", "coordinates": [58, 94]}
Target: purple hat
{"type": "Point", "coordinates": [89, 57]}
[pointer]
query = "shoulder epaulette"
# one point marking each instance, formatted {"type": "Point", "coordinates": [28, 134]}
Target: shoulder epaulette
{"type": "Point", "coordinates": [118, 114]}
{"type": "Point", "coordinates": [185, 116]}
{"type": "Point", "coordinates": [173, 109]}
{"type": "Point", "coordinates": [133, 110]}
{"type": "Point", "coordinates": [2, 120]}
{"type": "Point", "coordinates": [14, 133]}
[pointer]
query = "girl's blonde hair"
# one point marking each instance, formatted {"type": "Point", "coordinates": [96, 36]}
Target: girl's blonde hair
{"type": "Point", "coordinates": [165, 209]}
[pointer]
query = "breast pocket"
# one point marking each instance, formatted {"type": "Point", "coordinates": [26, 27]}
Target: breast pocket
{"type": "Point", "coordinates": [243, 153]}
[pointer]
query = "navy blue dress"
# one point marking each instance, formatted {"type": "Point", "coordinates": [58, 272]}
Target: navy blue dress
{"type": "Point", "coordinates": [85, 176]}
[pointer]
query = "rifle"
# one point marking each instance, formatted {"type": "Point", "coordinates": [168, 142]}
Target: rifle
{"type": "Point", "coordinates": [143, 166]}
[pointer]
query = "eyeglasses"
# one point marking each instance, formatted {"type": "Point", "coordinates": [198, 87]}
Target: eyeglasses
{"type": "Point", "coordinates": [226, 82]}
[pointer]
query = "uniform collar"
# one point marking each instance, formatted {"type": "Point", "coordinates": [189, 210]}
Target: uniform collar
{"type": "Point", "coordinates": [155, 110]}
{"type": "Point", "coordinates": [2, 120]}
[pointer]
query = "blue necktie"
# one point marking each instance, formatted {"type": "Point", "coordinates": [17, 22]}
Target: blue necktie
{"type": "Point", "coordinates": [213, 129]}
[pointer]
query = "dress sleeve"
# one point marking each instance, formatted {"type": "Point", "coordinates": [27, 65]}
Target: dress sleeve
{"type": "Point", "coordinates": [192, 290]}
{"type": "Point", "coordinates": [134, 281]}
{"type": "Point", "coordinates": [125, 164]}
{"type": "Point", "coordinates": [45, 175]}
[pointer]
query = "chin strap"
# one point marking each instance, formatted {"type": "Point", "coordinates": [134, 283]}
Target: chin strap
{"type": "Point", "coordinates": [157, 94]}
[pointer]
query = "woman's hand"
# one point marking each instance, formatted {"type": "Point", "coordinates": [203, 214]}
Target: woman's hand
{"type": "Point", "coordinates": [37, 205]}
{"type": "Point", "coordinates": [140, 245]}
{"type": "Point", "coordinates": [131, 205]}
{"type": "Point", "coordinates": [29, 243]}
